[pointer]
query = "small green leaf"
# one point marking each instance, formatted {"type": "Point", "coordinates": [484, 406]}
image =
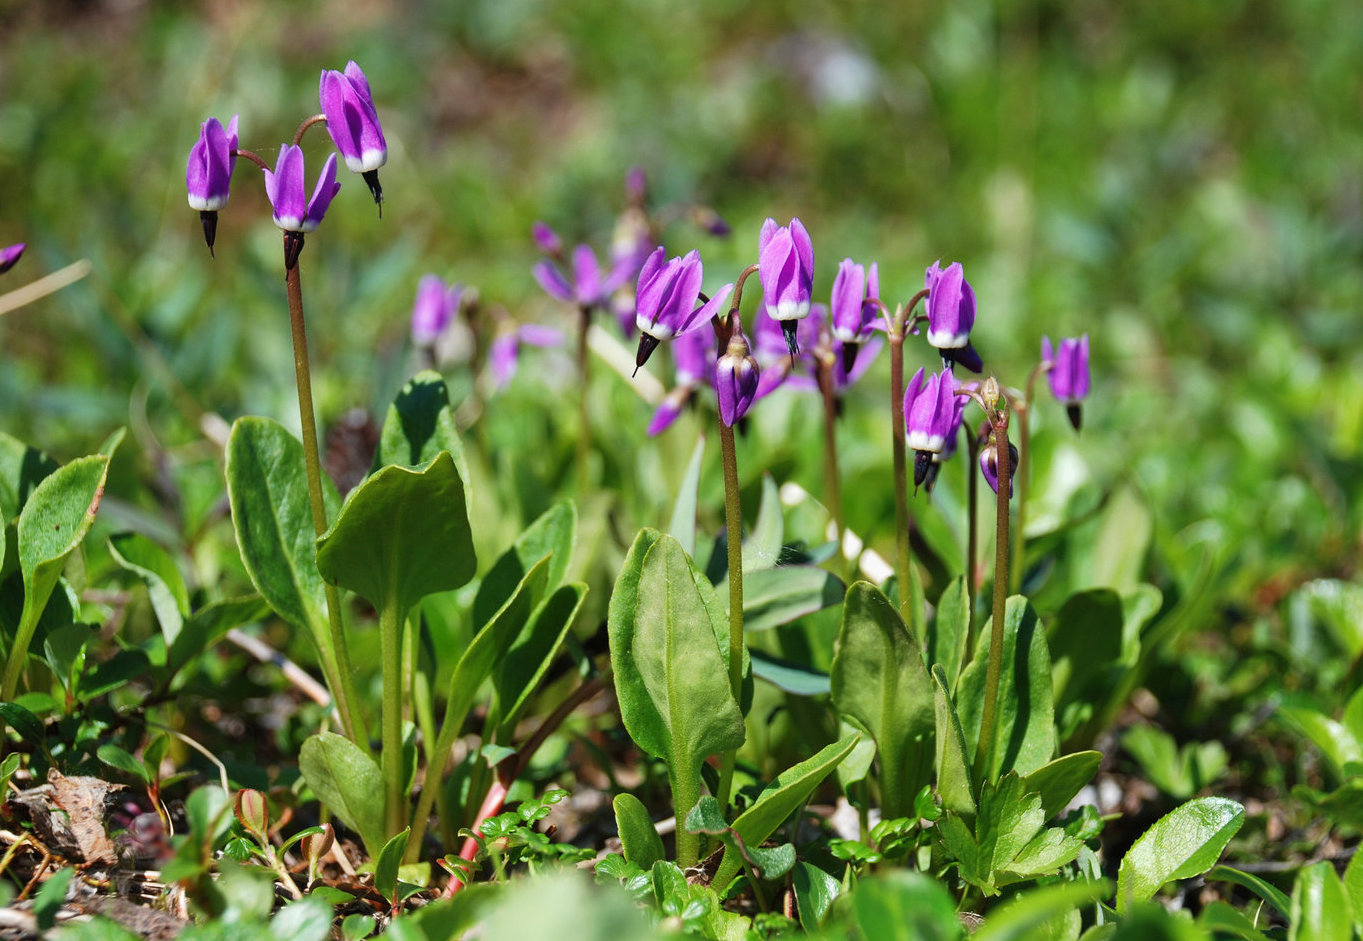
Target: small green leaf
{"type": "Point", "coordinates": [815, 893]}
{"type": "Point", "coordinates": [53, 523]}
{"type": "Point", "coordinates": [904, 906]}
{"type": "Point", "coordinates": [779, 595]}
{"type": "Point", "coordinates": [1221, 919]}
{"type": "Point", "coordinates": [517, 677]}
{"type": "Point", "coordinates": [1353, 878]}
{"type": "Point", "coordinates": [307, 919]}
{"type": "Point", "coordinates": [1023, 918]}
{"type": "Point", "coordinates": [51, 897]}
{"type": "Point", "coordinates": [22, 468]}
{"type": "Point", "coordinates": [683, 525]}
{"type": "Point", "coordinates": [157, 570]}
{"type": "Point", "coordinates": [386, 867]}
{"type": "Point", "coordinates": [208, 811]}
{"type": "Point", "coordinates": [551, 536]}
{"type": "Point", "coordinates": [953, 766]}
{"type": "Point", "coordinates": [1059, 780]}
{"type": "Point", "coordinates": [1320, 906]}
{"type": "Point", "coordinates": [420, 425]}
{"type": "Point", "coordinates": [348, 781]}
{"type": "Point", "coordinates": [1025, 721]}
{"type": "Point", "coordinates": [638, 835]}
{"type": "Point", "coordinates": [116, 757]}
{"type": "Point", "coordinates": [29, 726]}
{"type": "Point", "coordinates": [950, 630]}
{"type": "Point", "coordinates": [879, 680]}
{"type": "Point", "coordinates": [772, 862]}
{"type": "Point", "coordinates": [1267, 891]}
{"type": "Point", "coordinates": [1184, 843]}
{"type": "Point", "coordinates": [208, 624]}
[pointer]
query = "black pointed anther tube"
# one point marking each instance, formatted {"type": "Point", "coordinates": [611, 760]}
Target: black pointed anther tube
{"type": "Point", "coordinates": [934, 468]}
{"type": "Point", "coordinates": [647, 344]}
{"type": "Point", "coordinates": [209, 218]}
{"type": "Point", "coordinates": [293, 244]}
{"type": "Point", "coordinates": [788, 330]}
{"type": "Point", "coordinates": [922, 461]}
{"type": "Point", "coordinates": [849, 355]}
{"type": "Point", "coordinates": [1076, 415]}
{"type": "Point", "coordinates": [371, 180]}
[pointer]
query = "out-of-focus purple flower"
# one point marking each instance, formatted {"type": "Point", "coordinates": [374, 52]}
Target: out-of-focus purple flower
{"type": "Point", "coordinates": [694, 365]}
{"type": "Point", "coordinates": [590, 287]}
{"type": "Point", "coordinates": [951, 311]}
{"type": "Point", "coordinates": [953, 439]}
{"type": "Point", "coordinates": [435, 308]}
{"type": "Point", "coordinates": [736, 378]}
{"type": "Point", "coordinates": [853, 308]}
{"type": "Point", "coordinates": [1068, 373]}
{"type": "Point", "coordinates": [989, 465]}
{"type": "Point", "coordinates": [547, 239]}
{"type": "Point", "coordinates": [929, 407]}
{"type": "Point", "coordinates": [636, 186]}
{"type": "Point", "coordinates": [631, 241]}
{"type": "Point", "coordinates": [710, 221]}
{"type": "Point", "coordinates": [665, 302]}
{"type": "Point", "coordinates": [286, 187]}
{"type": "Point", "coordinates": [785, 265]}
{"type": "Point", "coordinates": [353, 123]}
{"type": "Point", "coordinates": [773, 353]}
{"type": "Point", "coordinates": [208, 174]}
{"type": "Point", "coordinates": [505, 350]}
{"type": "Point", "coordinates": [10, 255]}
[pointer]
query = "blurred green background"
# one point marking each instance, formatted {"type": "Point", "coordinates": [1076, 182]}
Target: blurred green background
{"type": "Point", "coordinates": [1179, 178]}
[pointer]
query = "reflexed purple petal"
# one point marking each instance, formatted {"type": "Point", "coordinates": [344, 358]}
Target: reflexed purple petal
{"type": "Point", "coordinates": [769, 229]}
{"type": "Point", "coordinates": [849, 291]}
{"type": "Point", "coordinates": [9, 255]}
{"type": "Point", "coordinates": [431, 313]}
{"type": "Point", "coordinates": [546, 238]}
{"type": "Point", "coordinates": [552, 280]}
{"type": "Point", "coordinates": [702, 316]}
{"type": "Point", "coordinates": [539, 335]}
{"type": "Point", "coordinates": [503, 357]}
{"type": "Point", "coordinates": [805, 249]}
{"type": "Point", "coordinates": [692, 356]}
{"type": "Point", "coordinates": [670, 409]}
{"type": "Point", "coordinates": [322, 195]}
{"type": "Point", "coordinates": [286, 188]}
{"type": "Point", "coordinates": [586, 276]}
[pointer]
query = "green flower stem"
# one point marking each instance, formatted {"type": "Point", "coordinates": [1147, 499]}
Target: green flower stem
{"type": "Point", "coordinates": [584, 434]}
{"type": "Point", "coordinates": [903, 557]}
{"type": "Point", "coordinates": [832, 481]}
{"type": "Point", "coordinates": [390, 642]}
{"type": "Point", "coordinates": [972, 537]}
{"type": "Point", "coordinates": [1023, 472]}
{"type": "Point", "coordinates": [733, 522]}
{"type": "Point", "coordinates": [685, 796]}
{"type": "Point", "coordinates": [984, 752]}
{"type": "Point", "coordinates": [336, 660]}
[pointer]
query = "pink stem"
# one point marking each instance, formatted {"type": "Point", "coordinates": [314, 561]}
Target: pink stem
{"type": "Point", "coordinates": [492, 804]}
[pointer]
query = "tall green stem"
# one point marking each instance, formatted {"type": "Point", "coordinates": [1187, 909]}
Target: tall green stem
{"type": "Point", "coordinates": [832, 483]}
{"type": "Point", "coordinates": [733, 523]}
{"type": "Point", "coordinates": [336, 662]}
{"type": "Point", "coordinates": [390, 643]}
{"type": "Point", "coordinates": [984, 752]}
{"type": "Point", "coordinates": [901, 472]}
{"type": "Point", "coordinates": [584, 434]}
{"type": "Point", "coordinates": [972, 536]}
{"type": "Point", "coordinates": [1023, 474]}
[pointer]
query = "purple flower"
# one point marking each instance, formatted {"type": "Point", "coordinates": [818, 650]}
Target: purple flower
{"type": "Point", "coordinates": [852, 314]}
{"type": "Point", "coordinates": [736, 379]}
{"type": "Point", "coordinates": [694, 363]}
{"type": "Point", "coordinates": [951, 313]}
{"type": "Point", "coordinates": [785, 265]}
{"type": "Point", "coordinates": [773, 353]}
{"type": "Point", "coordinates": [989, 465]}
{"type": "Point", "coordinates": [665, 302]}
{"type": "Point", "coordinates": [547, 239]}
{"type": "Point", "coordinates": [589, 286]}
{"type": "Point", "coordinates": [208, 174]}
{"type": "Point", "coordinates": [929, 407]}
{"type": "Point", "coordinates": [353, 123]}
{"type": "Point", "coordinates": [287, 189]}
{"type": "Point", "coordinates": [435, 307]}
{"type": "Point", "coordinates": [505, 350]}
{"type": "Point", "coordinates": [10, 255]}
{"type": "Point", "coordinates": [1068, 373]}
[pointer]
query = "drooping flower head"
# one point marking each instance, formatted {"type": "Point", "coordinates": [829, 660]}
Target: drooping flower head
{"type": "Point", "coordinates": [294, 211]}
{"type": "Point", "coordinates": [1068, 373]}
{"type": "Point", "coordinates": [208, 174]}
{"type": "Point", "coordinates": [353, 123]}
{"type": "Point", "coordinates": [989, 465]}
{"type": "Point", "coordinates": [853, 308]}
{"type": "Point", "coordinates": [736, 378]}
{"type": "Point", "coordinates": [951, 314]}
{"type": "Point", "coordinates": [10, 255]}
{"type": "Point", "coordinates": [929, 408]}
{"type": "Point", "coordinates": [435, 308]}
{"type": "Point", "coordinates": [665, 302]}
{"type": "Point", "coordinates": [785, 265]}
{"type": "Point", "coordinates": [953, 438]}
{"type": "Point", "coordinates": [547, 239]}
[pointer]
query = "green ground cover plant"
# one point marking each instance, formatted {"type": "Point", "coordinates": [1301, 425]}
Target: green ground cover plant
{"type": "Point", "coordinates": [646, 585]}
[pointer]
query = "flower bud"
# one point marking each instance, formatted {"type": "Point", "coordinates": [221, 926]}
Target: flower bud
{"type": "Point", "coordinates": [989, 465]}
{"type": "Point", "coordinates": [736, 378]}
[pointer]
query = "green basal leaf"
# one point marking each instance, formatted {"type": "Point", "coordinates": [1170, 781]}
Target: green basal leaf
{"type": "Point", "coordinates": [815, 893]}
{"type": "Point", "coordinates": [1353, 881]}
{"type": "Point", "coordinates": [517, 677]}
{"type": "Point", "coordinates": [386, 866]}
{"type": "Point", "coordinates": [1025, 721]}
{"type": "Point", "coordinates": [1184, 843]}
{"type": "Point", "coordinates": [638, 835]}
{"type": "Point", "coordinates": [1221, 919]}
{"type": "Point", "coordinates": [762, 548]}
{"type": "Point", "coordinates": [779, 595]}
{"type": "Point", "coordinates": [1058, 781]}
{"type": "Point", "coordinates": [271, 514]}
{"type": "Point", "coordinates": [1027, 916]}
{"type": "Point", "coordinates": [904, 906]}
{"type": "Point", "coordinates": [59, 512]}
{"type": "Point", "coordinates": [22, 468]}
{"type": "Point", "coordinates": [419, 425]}
{"type": "Point", "coordinates": [1321, 910]}
{"type": "Point", "coordinates": [1259, 886]}
{"type": "Point", "coordinates": [401, 535]}
{"type": "Point", "coordinates": [208, 624]}
{"type": "Point", "coordinates": [683, 525]}
{"type": "Point", "coordinates": [781, 798]}
{"type": "Point", "coordinates": [553, 535]}
{"type": "Point", "coordinates": [802, 681]}
{"type": "Point", "coordinates": [953, 766]}
{"type": "Point", "coordinates": [348, 781]}
{"type": "Point", "coordinates": [879, 681]}
{"type": "Point", "coordinates": [950, 630]}
{"type": "Point", "coordinates": [157, 570]}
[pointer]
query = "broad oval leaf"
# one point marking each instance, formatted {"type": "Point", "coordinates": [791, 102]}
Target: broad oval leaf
{"type": "Point", "coordinates": [157, 570]}
{"type": "Point", "coordinates": [551, 536]}
{"type": "Point", "coordinates": [638, 835]}
{"type": "Point", "coordinates": [348, 781]}
{"type": "Point", "coordinates": [904, 906]}
{"type": "Point", "coordinates": [1185, 842]}
{"type": "Point", "coordinates": [1320, 907]}
{"type": "Point", "coordinates": [402, 534]}
{"type": "Point", "coordinates": [420, 425]}
{"type": "Point", "coordinates": [1025, 730]}
{"type": "Point", "coordinates": [1058, 781]}
{"type": "Point", "coordinates": [272, 516]}
{"type": "Point", "coordinates": [776, 596]}
{"type": "Point", "coordinates": [879, 680]}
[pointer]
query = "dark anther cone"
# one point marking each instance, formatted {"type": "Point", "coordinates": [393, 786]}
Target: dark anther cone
{"type": "Point", "coordinates": [371, 180]}
{"type": "Point", "coordinates": [849, 355]}
{"type": "Point", "coordinates": [934, 468]}
{"type": "Point", "coordinates": [969, 358]}
{"type": "Point", "coordinates": [922, 463]}
{"type": "Point", "coordinates": [209, 218]}
{"type": "Point", "coordinates": [948, 360]}
{"type": "Point", "coordinates": [1076, 415]}
{"type": "Point", "coordinates": [647, 344]}
{"type": "Point", "coordinates": [788, 330]}
{"type": "Point", "coordinates": [293, 244]}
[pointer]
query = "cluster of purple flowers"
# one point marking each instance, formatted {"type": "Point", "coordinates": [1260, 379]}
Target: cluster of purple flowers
{"type": "Point", "coordinates": [354, 127]}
